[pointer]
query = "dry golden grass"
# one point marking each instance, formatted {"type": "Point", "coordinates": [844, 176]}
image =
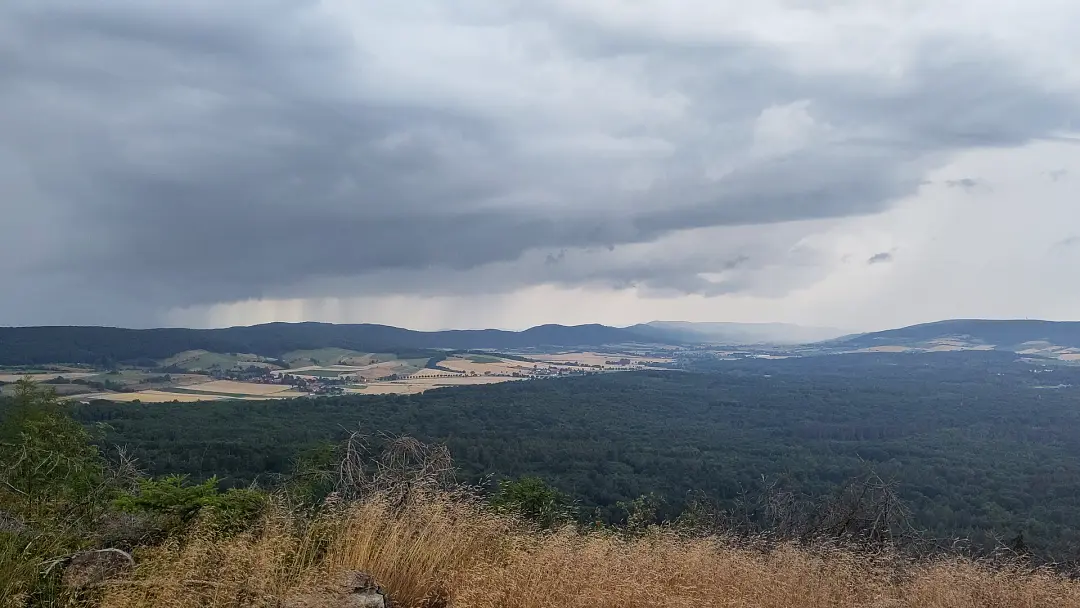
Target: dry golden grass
{"type": "Point", "coordinates": [446, 550]}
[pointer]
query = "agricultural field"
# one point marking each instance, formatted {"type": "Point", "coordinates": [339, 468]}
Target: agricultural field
{"type": "Point", "coordinates": [328, 371]}
{"type": "Point", "coordinates": [435, 373]}
{"type": "Point", "coordinates": [247, 389]}
{"type": "Point", "coordinates": [606, 360]}
{"type": "Point", "coordinates": [368, 372]}
{"type": "Point", "coordinates": [150, 397]}
{"type": "Point", "coordinates": [488, 366]}
{"type": "Point", "coordinates": [44, 376]}
{"type": "Point", "coordinates": [201, 360]}
{"type": "Point", "coordinates": [412, 386]}
{"type": "Point", "coordinates": [335, 356]}
{"type": "Point", "coordinates": [204, 391]}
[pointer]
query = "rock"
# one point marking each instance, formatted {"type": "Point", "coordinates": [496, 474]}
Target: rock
{"type": "Point", "coordinates": [351, 590]}
{"type": "Point", "coordinates": [94, 567]}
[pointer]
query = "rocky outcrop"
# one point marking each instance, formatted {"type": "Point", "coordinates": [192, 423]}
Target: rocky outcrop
{"type": "Point", "coordinates": [351, 590]}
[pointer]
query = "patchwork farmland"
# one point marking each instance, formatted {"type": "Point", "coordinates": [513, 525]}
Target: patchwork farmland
{"type": "Point", "coordinates": [201, 375]}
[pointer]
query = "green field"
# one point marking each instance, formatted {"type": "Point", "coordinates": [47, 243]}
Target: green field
{"type": "Point", "coordinates": [328, 356]}
{"type": "Point", "coordinates": [483, 359]}
{"type": "Point", "coordinates": [127, 377]}
{"type": "Point", "coordinates": [201, 360]}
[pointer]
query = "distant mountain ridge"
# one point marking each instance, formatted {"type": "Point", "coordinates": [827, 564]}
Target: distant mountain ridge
{"type": "Point", "coordinates": [97, 345]}
{"type": "Point", "coordinates": [736, 333]}
{"type": "Point", "coordinates": [1002, 334]}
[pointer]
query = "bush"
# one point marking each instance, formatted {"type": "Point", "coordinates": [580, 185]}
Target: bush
{"type": "Point", "coordinates": [535, 500]}
{"type": "Point", "coordinates": [179, 503]}
{"type": "Point", "coordinates": [54, 489]}
{"type": "Point", "coordinates": [52, 473]}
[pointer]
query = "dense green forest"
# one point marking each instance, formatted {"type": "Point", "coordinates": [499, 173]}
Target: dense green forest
{"type": "Point", "coordinates": [980, 444]}
{"type": "Point", "coordinates": [110, 345]}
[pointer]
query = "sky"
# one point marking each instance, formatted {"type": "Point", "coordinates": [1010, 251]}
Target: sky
{"type": "Point", "coordinates": [507, 163]}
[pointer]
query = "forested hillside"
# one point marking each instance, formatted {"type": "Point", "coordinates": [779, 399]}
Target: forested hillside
{"type": "Point", "coordinates": [1005, 334]}
{"type": "Point", "coordinates": [109, 345]}
{"type": "Point", "coordinates": [979, 444]}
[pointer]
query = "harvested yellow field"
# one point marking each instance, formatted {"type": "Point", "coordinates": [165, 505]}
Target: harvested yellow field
{"type": "Point", "coordinates": [152, 397]}
{"type": "Point", "coordinates": [240, 388]}
{"type": "Point", "coordinates": [501, 367]}
{"type": "Point", "coordinates": [425, 373]}
{"type": "Point", "coordinates": [414, 386]}
{"type": "Point", "coordinates": [467, 380]}
{"type": "Point", "coordinates": [390, 388]}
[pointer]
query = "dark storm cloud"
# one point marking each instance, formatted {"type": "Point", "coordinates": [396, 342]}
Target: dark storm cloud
{"type": "Point", "coordinates": [1068, 242]}
{"type": "Point", "coordinates": [966, 183]}
{"type": "Point", "coordinates": [191, 153]}
{"type": "Point", "coordinates": [880, 258]}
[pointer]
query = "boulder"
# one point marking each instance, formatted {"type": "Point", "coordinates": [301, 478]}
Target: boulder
{"type": "Point", "coordinates": [350, 590]}
{"type": "Point", "coordinates": [93, 567]}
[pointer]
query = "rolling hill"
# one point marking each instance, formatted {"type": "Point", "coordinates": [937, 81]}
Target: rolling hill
{"type": "Point", "coordinates": [103, 345]}
{"type": "Point", "coordinates": [1009, 335]}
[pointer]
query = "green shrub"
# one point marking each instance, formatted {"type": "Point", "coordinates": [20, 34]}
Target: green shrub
{"type": "Point", "coordinates": [180, 503]}
{"type": "Point", "coordinates": [535, 500]}
{"type": "Point", "coordinates": [52, 474]}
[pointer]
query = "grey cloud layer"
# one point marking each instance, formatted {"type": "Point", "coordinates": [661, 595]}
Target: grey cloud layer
{"type": "Point", "coordinates": [187, 153]}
